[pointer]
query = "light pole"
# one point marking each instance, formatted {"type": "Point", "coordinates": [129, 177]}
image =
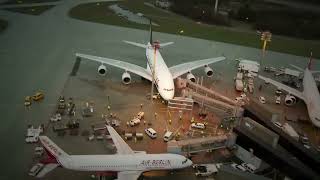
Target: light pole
{"type": "Point", "coordinates": [109, 105]}
{"type": "Point", "coordinates": [216, 7]}
{"type": "Point", "coordinates": [265, 38]}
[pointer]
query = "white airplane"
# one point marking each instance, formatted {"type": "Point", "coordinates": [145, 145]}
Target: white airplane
{"type": "Point", "coordinates": [310, 94]}
{"type": "Point", "coordinates": [127, 163]}
{"type": "Point", "coordinates": [163, 76]}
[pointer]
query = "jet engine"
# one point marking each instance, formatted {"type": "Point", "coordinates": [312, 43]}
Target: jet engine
{"type": "Point", "coordinates": [191, 77]}
{"type": "Point", "coordinates": [102, 70]}
{"type": "Point", "coordinates": [126, 78]}
{"type": "Point", "coordinates": [290, 100]}
{"type": "Point", "coordinates": [208, 71]}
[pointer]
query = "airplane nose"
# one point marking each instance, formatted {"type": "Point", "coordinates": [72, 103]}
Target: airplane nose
{"type": "Point", "coordinates": [167, 95]}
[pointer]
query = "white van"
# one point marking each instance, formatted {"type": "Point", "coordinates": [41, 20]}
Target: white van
{"type": "Point", "coordinates": [167, 136]}
{"type": "Point", "coordinates": [140, 115]}
{"type": "Point", "coordinates": [36, 169]}
{"type": "Point", "coordinates": [151, 132]}
{"type": "Point", "coordinates": [198, 125]}
{"type": "Point", "coordinates": [134, 122]}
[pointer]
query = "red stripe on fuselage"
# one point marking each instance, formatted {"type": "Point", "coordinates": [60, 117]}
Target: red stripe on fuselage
{"type": "Point", "coordinates": [50, 158]}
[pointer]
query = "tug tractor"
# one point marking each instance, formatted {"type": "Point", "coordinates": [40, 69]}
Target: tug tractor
{"type": "Point", "coordinates": [38, 96]}
{"type": "Point", "coordinates": [27, 101]}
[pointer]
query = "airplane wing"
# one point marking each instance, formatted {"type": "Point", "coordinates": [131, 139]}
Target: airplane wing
{"type": "Point", "coordinates": [47, 168]}
{"type": "Point", "coordinates": [122, 147]}
{"type": "Point", "coordinates": [119, 64]}
{"type": "Point", "coordinates": [180, 69]}
{"type": "Point", "coordinates": [283, 87]}
{"type": "Point", "coordinates": [129, 175]}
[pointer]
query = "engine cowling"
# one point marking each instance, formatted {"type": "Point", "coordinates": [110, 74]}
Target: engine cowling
{"type": "Point", "coordinates": [102, 70]}
{"type": "Point", "coordinates": [290, 100]}
{"type": "Point", "coordinates": [126, 78]}
{"type": "Point", "coordinates": [191, 77]}
{"type": "Point", "coordinates": [208, 71]}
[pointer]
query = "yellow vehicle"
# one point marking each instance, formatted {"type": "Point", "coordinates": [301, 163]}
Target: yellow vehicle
{"type": "Point", "coordinates": [27, 101]}
{"type": "Point", "coordinates": [38, 96]}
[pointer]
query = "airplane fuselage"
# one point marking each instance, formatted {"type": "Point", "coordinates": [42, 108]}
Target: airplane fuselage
{"type": "Point", "coordinates": [162, 77]}
{"type": "Point", "coordinates": [312, 97]}
{"type": "Point", "coordinates": [117, 163]}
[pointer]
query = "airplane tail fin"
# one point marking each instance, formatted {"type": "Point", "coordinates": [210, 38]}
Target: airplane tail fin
{"type": "Point", "coordinates": [56, 156]}
{"type": "Point", "coordinates": [310, 61]}
{"type": "Point", "coordinates": [150, 40]}
{"type": "Point", "coordinates": [52, 149]}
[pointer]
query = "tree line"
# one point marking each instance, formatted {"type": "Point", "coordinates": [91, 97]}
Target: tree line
{"type": "Point", "coordinates": [281, 21]}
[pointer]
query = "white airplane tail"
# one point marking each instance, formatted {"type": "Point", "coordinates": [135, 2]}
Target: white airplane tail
{"type": "Point", "coordinates": [145, 46]}
{"type": "Point", "coordinates": [310, 61]}
{"type": "Point", "coordinates": [52, 148]}
{"type": "Point", "coordinates": [56, 156]}
{"type": "Point", "coordinates": [150, 41]}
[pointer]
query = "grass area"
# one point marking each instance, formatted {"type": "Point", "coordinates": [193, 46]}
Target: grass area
{"type": "Point", "coordinates": [37, 10]}
{"type": "Point", "coordinates": [3, 25]}
{"type": "Point", "coordinates": [27, 1]}
{"type": "Point", "coordinates": [173, 24]}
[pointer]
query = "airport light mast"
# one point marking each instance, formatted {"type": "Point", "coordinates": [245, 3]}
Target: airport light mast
{"type": "Point", "coordinates": [265, 38]}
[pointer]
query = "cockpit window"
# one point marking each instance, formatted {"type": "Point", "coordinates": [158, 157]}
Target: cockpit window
{"type": "Point", "coordinates": [165, 89]}
{"type": "Point", "coordinates": [183, 162]}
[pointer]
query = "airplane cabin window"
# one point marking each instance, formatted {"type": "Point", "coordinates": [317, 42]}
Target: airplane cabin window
{"type": "Point", "coordinates": [183, 162]}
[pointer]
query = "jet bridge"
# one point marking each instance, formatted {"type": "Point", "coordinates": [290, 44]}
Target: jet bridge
{"type": "Point", "coordinates": [210, 99]}
{"type": "Point", "coordinates": [189, 146]}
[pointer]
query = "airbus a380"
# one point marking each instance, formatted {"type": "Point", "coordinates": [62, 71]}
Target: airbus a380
{"type": "Point", "coordinates": [310, 94]}
{"type": "Point", "coordinates": [128, 164]}
{"type": "Point", "coordinates": [163, 76]}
